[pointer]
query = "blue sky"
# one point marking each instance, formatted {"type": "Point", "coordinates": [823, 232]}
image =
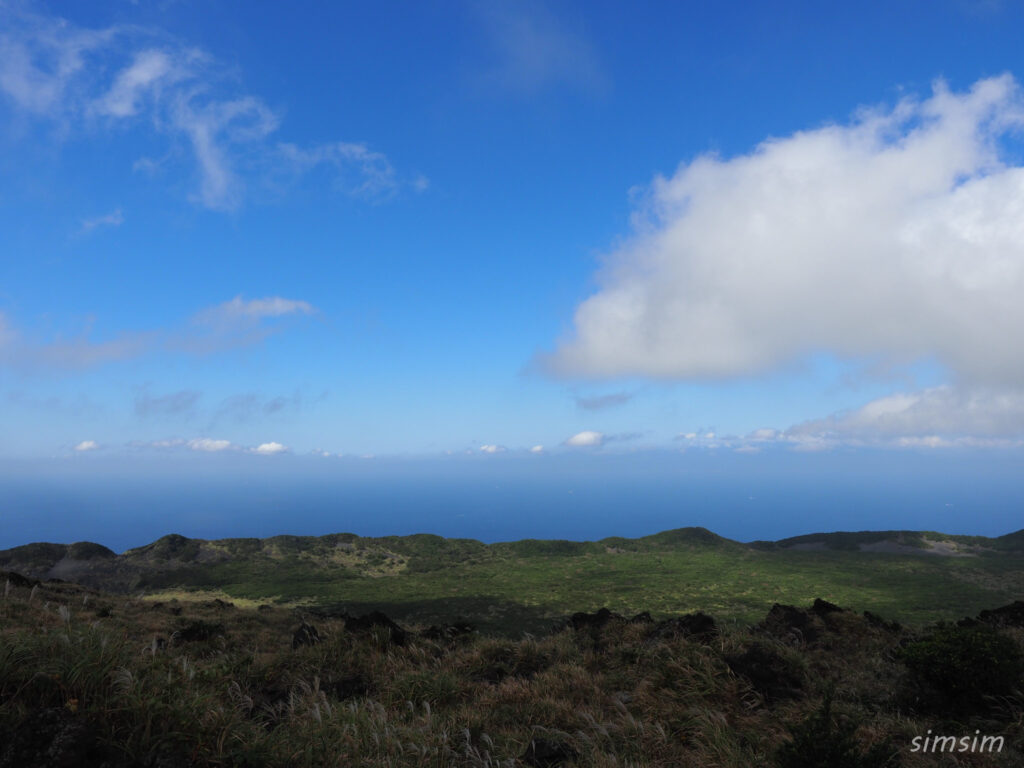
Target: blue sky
{"type": "Point", "coordinates": [407, 230]}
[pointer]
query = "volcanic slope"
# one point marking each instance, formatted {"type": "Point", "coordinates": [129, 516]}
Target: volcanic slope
{"type": "Point", "coordinates": [912, 576]}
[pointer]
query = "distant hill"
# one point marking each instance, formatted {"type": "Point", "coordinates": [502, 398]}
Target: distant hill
{"type": "Point", "coordinates": [908, 542]}
{"type": "Point", "coordinates": [320, 566]}
{"type": "Point", "coordinates": [94, 565]}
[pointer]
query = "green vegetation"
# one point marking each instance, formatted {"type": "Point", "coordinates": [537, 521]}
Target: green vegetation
{"type": "Point", "coordinates": [851, 541]}
{"type": "Point", "coordinates": [956, 667]}
{"type": "Point", "coordinates": [822, 741]}
{"type": "Point", "coordinates": [88, 679]}
{"type": "Point", "coordinates": [87, 550]}
{"type": "Point", "coordinates": [913, 577]}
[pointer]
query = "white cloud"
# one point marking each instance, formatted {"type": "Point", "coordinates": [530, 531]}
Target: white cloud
{"type": "Point", "coordinates": [112, 219]}
{"type": "Point", "coordinates": [269, 449]}
{"type": "Point", "coordinates": [896, 237]}
{"type": "Point", "coordinates": [215, 129]}
{"type": "Point", "coordinates": [75, 352]}
{"type": "Point", "coordinates": [255, 309]}
{"type": "Point", "coordinates": [492, 449]}
{"type": "Point", "coordinates": [87, 445]}
{"type": "Point", "coordinates": [537, 449]}
{"type": "Point", "coordinates": [948, 412]}
{"type": "Point", "coordinates": [587, 438]}
{"type": "Point", "coordinates": [931, 441]}
{"type": "Point", "coordinates": [940, 417]}
{"type": "Point", "coordinates": [175, 442]}
{"type": "Point", "coordinates": [126, 77]}
{"type": "Point", "coordinates": [40, 58]}
{"type": "Point", "coordinates": [209, 445]}
{"type": "Point", "coordinates": [358, 170]}
{"type": "Point", "coordinates": [234, 323]}
{"type": "Point", "coordinates": [145, 72]}
{"type": "Point", "coordinates": [710, 439]}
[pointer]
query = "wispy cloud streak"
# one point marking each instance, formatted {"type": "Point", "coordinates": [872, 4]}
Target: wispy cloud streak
{"type": "Point", "coordinates": [128, 78]}
{"type": "Point", "coordinates": [233, 324]}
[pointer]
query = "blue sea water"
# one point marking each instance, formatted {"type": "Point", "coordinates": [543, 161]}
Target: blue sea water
{"type": "Point", "coordinates": [126, 502]}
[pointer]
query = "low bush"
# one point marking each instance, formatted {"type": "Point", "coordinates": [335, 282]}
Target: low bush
{"type": "Point", "coordinates": [959, 668]}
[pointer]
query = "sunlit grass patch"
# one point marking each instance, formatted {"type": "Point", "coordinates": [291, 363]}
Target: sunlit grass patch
{"type": "Point", "coordinates": [209, 595]}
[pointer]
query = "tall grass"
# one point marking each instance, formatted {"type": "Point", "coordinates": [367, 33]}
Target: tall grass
{"type": "Point", "coordinates": [128, 690]}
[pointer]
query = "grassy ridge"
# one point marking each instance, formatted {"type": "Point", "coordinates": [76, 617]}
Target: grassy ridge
{"type": "Point", "coordinates": [525, 585]}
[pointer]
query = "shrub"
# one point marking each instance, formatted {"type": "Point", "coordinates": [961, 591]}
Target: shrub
{"type": "Point", "coordinates": [958, 666]}
{"type": "Point", "coordinates": [196, 630]}
{"type": "Point", "coordinates": [821, 740]}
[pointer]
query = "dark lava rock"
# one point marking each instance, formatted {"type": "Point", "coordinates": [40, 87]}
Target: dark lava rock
{"type": "Point", "coordinates": [196, 631]}
{"type": "Point", "coordinates": [263, 608]}
{"type": "Point", "coordinates": [545, 753]}
{"type": "Point", "coordinates": [306, 634]}
{"type": "Point", "coordinates": [791, 624]}
{"type": "Point", "coordinates": [218, 604]}
{"type": "Point", "coordinates": [877, 621]}
{"type": "Point", "coordinates": [824, 607]}
{"type": "Point", "coordinates": [597, 620]}
{"type": "Point", "coordinates": [346, 687]}
{"type": "Point", "coordinates": [373, 620]}
{"type": "Point", "coordinates": [1011, 615]}
{"type": "Point", "coordinates": [17, 580]}
{"type": "Point", "coordinates": [447, 631]}
{"type": "Point", "coordinates": [698, 625]}
{"type": "Point", "coordinates": [769, 674]}
{"type": "Point", "coordinates": [603, 617]}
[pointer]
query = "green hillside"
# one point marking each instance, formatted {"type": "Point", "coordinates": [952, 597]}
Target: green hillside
{"type": "Point", "coordinates": [510, 587]}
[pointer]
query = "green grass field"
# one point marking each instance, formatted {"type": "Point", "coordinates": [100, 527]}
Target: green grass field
{"type": "Point", "coordinates": [526, 585]}
{"type": "Point", "coordinates": [513, 590]}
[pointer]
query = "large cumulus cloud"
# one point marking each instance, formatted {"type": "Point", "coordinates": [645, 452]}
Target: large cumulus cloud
{"type": "Point", "coordinates": [894, 237]}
